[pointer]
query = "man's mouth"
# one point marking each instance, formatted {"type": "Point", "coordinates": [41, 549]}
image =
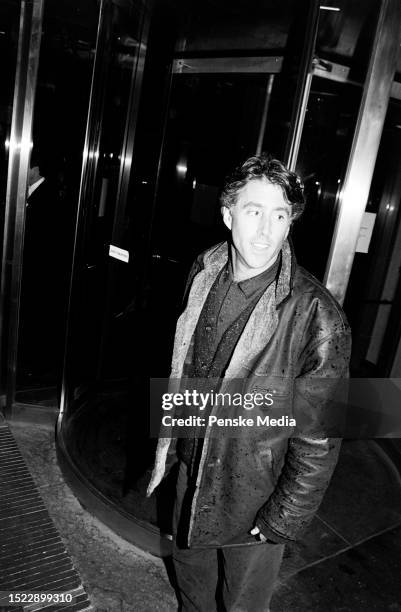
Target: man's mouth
{"type": "Point", "coordinates": [260, 245]}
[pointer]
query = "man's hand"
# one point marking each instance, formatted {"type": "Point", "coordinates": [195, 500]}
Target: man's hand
{"type": "Point", "coordinates": [160, 465]}
{"type": "Point", "coordinates": [154, 482]}
{"type": "Point", "coordinates": [256, 532]}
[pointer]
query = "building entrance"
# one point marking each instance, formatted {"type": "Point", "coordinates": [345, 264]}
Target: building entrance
{"type": "Point", "coordinates": [165, 126]}
{"type": "Point", "coordinates": [181, 92]}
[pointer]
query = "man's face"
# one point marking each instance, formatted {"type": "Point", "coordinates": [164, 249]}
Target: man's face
{"type": "Point", "coordinates": [259, 223]}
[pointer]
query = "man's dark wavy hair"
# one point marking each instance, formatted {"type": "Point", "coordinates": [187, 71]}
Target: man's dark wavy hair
{"type": "Point", "coordinates": [265, 167]}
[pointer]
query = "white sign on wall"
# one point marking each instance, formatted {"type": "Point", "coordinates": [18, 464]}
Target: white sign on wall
{"type": "Point", "coordinates": [365, 232]}
{"type": "Point", "coordinates": [117, 253]}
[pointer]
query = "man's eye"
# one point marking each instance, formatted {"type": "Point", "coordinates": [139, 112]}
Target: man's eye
{"type": "Point", "coordinates": [253, 211]}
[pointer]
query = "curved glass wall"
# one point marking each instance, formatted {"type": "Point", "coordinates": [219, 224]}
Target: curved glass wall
{"type": "Point", "coordinates": [179, 96]}
{"type": "Point", "coordinates": [164, 129]}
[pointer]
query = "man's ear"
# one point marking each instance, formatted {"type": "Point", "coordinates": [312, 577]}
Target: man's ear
{"type": "Point", "coordinates": [292, 219]}
{"type": "Point", "coordinates": [227, 217]}
{"type": "Point", "coordinates": [288, 231]}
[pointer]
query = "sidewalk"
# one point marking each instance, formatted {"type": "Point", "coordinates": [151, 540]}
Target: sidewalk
{"type": "Point", "coordinates": [349, 559]}
{"type": "Point", "coordinates": [117, 576]}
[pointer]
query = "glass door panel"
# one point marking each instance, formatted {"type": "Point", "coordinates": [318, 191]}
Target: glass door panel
{"type": "Point", "coordinates": [229, 65]}
{"type": "Point", "coordinates": [343, 48]}
{"type": "Point", "coordinates": [101, 388]}
{"type": "Point", "coordinates": [373, 298]}
{"type": "Point", "coordinates": [96, 298]}
{"type": "Point", "coordinates": [59, 122]}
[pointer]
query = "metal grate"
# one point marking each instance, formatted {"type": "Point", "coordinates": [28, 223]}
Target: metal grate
{"type": "Point", "coordinates": [32, 554]}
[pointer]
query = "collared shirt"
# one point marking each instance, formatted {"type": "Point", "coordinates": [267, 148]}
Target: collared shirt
{"type": "Point", "coordinates": [34, 186]}
{"type": "Point", "coordinates": [224, 316]}
{"type": "Point", "coordinates": [232, 298]}
{"type": "Point", "coordinates": [221, 323]}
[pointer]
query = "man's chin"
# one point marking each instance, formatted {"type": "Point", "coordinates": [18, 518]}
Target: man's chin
{"type": "Point", "coordinates": [259, 264]}
{"type": "Point", "coordinates": [253, 269]}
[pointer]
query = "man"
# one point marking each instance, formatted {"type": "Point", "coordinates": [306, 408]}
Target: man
{"type": "Point", "coordinates": [253, 314]}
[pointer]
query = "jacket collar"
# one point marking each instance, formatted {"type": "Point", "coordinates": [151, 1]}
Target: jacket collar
{"type": "Point", "coordinates": [217, 257]}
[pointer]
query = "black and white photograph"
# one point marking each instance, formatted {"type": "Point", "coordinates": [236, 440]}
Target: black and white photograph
{"type": "Point", "coordinates": [200, 305]}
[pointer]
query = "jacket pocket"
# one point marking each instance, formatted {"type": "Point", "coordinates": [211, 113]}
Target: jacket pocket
{"type": "Point", "coordinates": [272, 394]}
{"type": "Point", "coordinates": [264, 457]}
{"type": "Point", "coordinates": [280, 386]}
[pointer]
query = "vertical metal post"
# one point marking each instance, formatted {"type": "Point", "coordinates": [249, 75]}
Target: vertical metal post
{"type": "Point", "coordinates": [30, 32]}
{"type": "Point", "coordinates": [303, 86]}
{"type": "Point", "coordinates": [263, 122]}
{"type": "Point", "coordinates": [371, 116]}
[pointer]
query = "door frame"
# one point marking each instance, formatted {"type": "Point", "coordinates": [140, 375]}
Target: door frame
{"type": "Point", "coordinates": [354, 194]}
{"type": "Point", "coordinates": [28, 54]}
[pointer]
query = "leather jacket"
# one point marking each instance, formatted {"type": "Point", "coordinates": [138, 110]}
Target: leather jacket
{"type": "Point", "coordinates": [293, 349]}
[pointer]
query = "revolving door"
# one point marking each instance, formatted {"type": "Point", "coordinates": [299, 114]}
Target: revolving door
{"type": "Point", "coordinates": [181, 93]}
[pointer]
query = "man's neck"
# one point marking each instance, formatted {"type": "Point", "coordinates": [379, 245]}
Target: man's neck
{"type": "Point", "coordinates": [240, 273]}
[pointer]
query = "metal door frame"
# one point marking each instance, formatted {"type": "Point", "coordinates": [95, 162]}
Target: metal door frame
{"type": "Point", "coordinates": [372, 112]}
{"type": "Point", "coordinates": [29, 40]}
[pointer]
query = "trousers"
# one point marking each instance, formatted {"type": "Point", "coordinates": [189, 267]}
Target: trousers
{"type": "Point", "coordinates": [230, 578]}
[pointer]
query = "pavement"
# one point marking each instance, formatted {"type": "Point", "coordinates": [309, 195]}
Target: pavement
{"type": "Point", "coordinates": [349, 559]}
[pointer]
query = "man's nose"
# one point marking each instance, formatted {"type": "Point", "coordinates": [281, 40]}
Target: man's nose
{"type": "Point", "coordinates": [264, 225]}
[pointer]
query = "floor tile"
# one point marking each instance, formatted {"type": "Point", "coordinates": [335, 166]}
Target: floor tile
{"type": "Point", "coordinates": [364, 578]}
{"type": "Point", "coordinates": [364, 496]}
{"type": "Point", "coordinates": [317, 542]}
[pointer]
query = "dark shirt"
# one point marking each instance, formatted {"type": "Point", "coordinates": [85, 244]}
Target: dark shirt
{"type": "Point", "coordinates": [224, 315]}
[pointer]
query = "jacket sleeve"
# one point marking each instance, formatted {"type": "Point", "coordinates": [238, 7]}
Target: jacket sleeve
{"type": "Point", "coordinates": [312, 455]}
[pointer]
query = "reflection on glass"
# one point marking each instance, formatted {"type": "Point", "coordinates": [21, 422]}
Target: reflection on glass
{"type": "Point", "coordinates": [345, 37]}
{"type": "Point", "coordinates": [64, 76]}
{"type": "Point", "coordinates": [343, 48]}
{"type": "Point", "coordinates": [103, 426]}
{"type": "Point", "coordinates": [235, 26]}
{"type": "Point", "coordinates": [97, 297]}
{"type": "Point", "coordinates": [373, 299]}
